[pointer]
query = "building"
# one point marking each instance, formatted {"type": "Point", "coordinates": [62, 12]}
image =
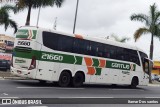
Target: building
{"type": "Point", "coordinates": [5, 56]}
{"type": "Point", "coordinates": [156, 68]}
{"type": "Point", "coordinates": [6, 42]}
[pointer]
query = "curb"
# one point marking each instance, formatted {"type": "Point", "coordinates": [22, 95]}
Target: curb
{"type": "Point", "coordinates": [154, 85]}
{"type": "Point", "coordinates": [16, 78]}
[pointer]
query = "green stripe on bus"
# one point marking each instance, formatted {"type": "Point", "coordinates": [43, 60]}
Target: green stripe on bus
{"type": "Point", "coordinates": [27, 55]}
{"type": "Point", "coordinates": [49, 56]}
{"type": "Point", "coordinates": [78, 60]}
{"type": "Point", "coordinates": [34, 34]}
{"type": "Point", "coordinates": [56, 57]}
{"type": "Point", "coordinates": [98, 71]}
{"type": "Point", "coordinates": [24, 34]}
{"type": "Point", "coordinates": [134, 65]}
{"type": "Point", "coordinates": [95, 62]}
{"type": "Point", "coordinates": [70, 59]}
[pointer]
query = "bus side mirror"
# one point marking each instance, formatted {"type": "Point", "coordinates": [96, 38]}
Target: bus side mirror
{"type": "Point", "coordinates": [147, 63]}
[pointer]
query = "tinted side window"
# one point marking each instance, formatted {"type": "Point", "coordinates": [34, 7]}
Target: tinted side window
{"type": "Point", "coordinates": [65, 43]}
{"type": "Point", "coordinates": [57, 42]}
{"type": "Point", "coordinates": [120, 53]}
{"type": "Point", "coordinates": [143, 55]}
{"type": "Point", "coordinates": [127, 56]}
{"type": "Point", "coordinates": [134, 56]}
{"type": "Point", "coordinates": [84, 46]}
{"type": "Point", "coordinates": [100, 50]}
{"type": "Point", "coordinates": [76, 47]}
{"type": "Point", "coordinates": [106, 52]}
{"type": "Point", "coordinates": [50, 40]}
{"type": "Point", "coordinates": [94, 48]}
{"type": "Point", "coordinates": [112, 51]}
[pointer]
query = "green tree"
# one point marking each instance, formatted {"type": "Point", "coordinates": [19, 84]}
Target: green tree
{"type": "Point", "coordinates": [151, 26]}
{"type": "Point", "coordinates": [116, 38]}
{"type": "Point", "coordinates": [29, 4]}
{"type": "Point", "coordinates": [5, 18]}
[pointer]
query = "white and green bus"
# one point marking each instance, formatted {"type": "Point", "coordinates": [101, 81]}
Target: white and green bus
{"type": "Point", "coordinates": [48, 55]}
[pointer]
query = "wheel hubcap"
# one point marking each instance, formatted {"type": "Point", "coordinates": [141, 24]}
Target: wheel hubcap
{"type": "Point", "coordinates": [64, 79]}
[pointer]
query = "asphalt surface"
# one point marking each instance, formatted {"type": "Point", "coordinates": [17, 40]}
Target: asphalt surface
{"type": "Point", "coordinates": [15, 88]}
{"type": "Point", "coordinates": [33, 89]}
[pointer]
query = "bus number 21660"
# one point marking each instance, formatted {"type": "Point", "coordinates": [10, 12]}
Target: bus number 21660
{"type": "Point", "coordinates": [52, 57]}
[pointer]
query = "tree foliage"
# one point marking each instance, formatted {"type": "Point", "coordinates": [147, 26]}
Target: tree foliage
{"type": "Point", "coordinates": [152, 25]}
{"type": "Point", "coordinates": [23, 4]}
{"type": "Point", "coordinates": [5, 18]}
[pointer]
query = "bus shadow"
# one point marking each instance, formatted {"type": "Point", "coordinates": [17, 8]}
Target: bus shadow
{"type": "Point", "coordinates": [109, 86]}
{"type": "Point", "coordinates": [36, 83]}
{"type": "Point", "coordinates": [33, 83]}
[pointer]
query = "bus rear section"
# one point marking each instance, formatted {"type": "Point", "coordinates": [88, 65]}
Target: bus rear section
{"type": "Point", "coordinates": [24, 54]}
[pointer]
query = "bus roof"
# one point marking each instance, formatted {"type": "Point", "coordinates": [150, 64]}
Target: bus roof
{"type": "Point", "coordinates": [96, 39]}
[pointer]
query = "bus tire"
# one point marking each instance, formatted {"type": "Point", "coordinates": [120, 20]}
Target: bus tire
{"type": "Point", "coordinates": [78, 79]}
{"type": "Point", "coordinates": [134, 83]}
{"type": "Point", "coordinates": [64, 79]}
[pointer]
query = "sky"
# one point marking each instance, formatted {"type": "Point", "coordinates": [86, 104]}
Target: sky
{"type": "Point", "coordinates": [95, 18]}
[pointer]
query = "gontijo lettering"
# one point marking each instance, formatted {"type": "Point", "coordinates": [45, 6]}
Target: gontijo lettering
{"type": "Point", "coordinates": [121, 66]}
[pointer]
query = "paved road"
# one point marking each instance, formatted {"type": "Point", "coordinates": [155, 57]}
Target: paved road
{"type": "Point", "coordinates": [33, 89]}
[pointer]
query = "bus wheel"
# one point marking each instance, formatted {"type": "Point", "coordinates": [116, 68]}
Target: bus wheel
{"type": "Point", "coordinates": [78, 79]}
{"type": "Point", "coordinates": [134, 83]}
{"type": "Point", "coordinates": [64, 79]}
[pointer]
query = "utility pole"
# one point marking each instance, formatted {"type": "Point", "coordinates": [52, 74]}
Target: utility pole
{"type": "Point", "coordinates": [55, 24]}
{"type": "Point", "coordinates": [38, 16]}
{"type": "Point", "coordinates": [75, 17]}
